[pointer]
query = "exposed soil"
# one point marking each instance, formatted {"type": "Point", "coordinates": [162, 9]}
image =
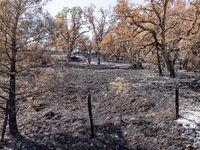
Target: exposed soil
{"type": "Point", "coordinates": [60, 119]}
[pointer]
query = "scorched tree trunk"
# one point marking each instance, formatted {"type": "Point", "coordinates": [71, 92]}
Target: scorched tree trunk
{"type": "Point", "coordinates": [12, 97]}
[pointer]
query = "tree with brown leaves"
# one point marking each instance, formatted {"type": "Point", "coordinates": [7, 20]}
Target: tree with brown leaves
{"type": "Point", "coordinates": [69, 24]}
{"type": "Point", "coordinates": [22, 22]}
{"type": "Point", "coordinates": [87, 47]}
{"type": "Point", "coordinates": [163, 24]}
{"type": "Point", "coordinates": [98, 25]}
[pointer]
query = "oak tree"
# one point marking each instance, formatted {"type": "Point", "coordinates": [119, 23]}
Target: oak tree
{"type": "Point", "coordinates": [69, 29]}
{"type": "Point", "coordinates": [87, 47]}
{"type": "Point", "coordinates": [98, 24]}
{"type": "Point", "coordinates": [166, 23]}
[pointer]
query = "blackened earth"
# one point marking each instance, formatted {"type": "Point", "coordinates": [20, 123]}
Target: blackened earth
{"type": "Point", "coordinates": [60, 119]}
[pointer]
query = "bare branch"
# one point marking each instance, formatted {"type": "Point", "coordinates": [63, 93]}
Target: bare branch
{"type": "Point", "coordinates": [4, 98]}
{"type": "Point", "coordinates": [3, 108]}
{"type": "Point", "coordinates": [157, 13]}
{"type": "Point", "coordinates": [171, 26]}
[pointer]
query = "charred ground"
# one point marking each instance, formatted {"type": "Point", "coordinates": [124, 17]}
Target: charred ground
{"type": "Point", "coordinates": [58, 119]}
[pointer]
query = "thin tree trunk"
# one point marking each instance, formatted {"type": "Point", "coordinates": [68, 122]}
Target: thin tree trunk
{"type": "Point", "coordinates": [168, 62]}
{"type": "Point", "coordinates": [104, 58]}
{"type": "Point", "coordinates": [99, 57]}
{"type": "Point", "coordinates": [173, 62]}
{"type": "Point", "coordinates": [5, 123]}
{"type": "Point", "coordinates": [117, 59]}
{"type": "Point", "coordinates": [11, 104]}
{"type": "Point", "coordinates": [69, 54]}
{"type": "Point", "coordinates": [89, 59]}
{"type": "Point", "coordinates": [12, 95]}
{"type": "Point", "coordinates": [169, 66]}
{"type": "Point", "coordinates": [185, 62]}
{"type": "Point", "coordinates": [159, 66]}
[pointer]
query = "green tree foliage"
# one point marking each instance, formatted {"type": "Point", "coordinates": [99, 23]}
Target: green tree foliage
{"type": "Point", "coordinates": [69, 30]}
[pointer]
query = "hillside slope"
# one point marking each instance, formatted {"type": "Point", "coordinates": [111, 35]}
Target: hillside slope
{"type": "Point", "coordinates": [59, 118]}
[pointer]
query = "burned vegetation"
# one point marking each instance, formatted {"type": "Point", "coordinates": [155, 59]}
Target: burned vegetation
{"type": "Point", "coordinates": [133, 85]}
{"type": "Point", "coordinates": [137, 114]}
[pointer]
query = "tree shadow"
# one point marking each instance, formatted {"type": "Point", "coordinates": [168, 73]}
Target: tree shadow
{"type": "Point", "coordinates": [192, 121]}
{"type": "Point", "coordinates": [107, 136]}
{"type": "Point", "coordinates": [20, 142]}
{"type": "Point", "coordinates": [192, 85]}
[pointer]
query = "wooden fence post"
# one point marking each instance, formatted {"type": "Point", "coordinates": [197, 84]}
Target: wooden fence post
{"type": "Point", "coordinates": [90, 115]}
{"type": "Point", "coordinates": [177, 101]}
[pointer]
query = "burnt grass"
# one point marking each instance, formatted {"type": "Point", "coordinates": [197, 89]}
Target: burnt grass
{"type": "Point", "coordinates": [59, 119]}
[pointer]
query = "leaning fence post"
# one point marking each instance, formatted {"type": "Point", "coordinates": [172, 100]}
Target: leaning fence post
{"type": "Point", "coordinates": [90, 115]}
{"type": "Point", "coordinates": [177, 101]}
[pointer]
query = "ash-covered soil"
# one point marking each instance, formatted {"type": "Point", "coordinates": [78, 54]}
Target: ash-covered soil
{"type": "Point", "coordinates": [59, 119]}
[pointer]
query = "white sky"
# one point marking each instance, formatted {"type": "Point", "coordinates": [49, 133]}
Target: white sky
{"type": "Point", "coordinates": [56, 6]}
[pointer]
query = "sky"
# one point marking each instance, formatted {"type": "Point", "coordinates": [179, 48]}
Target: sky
{"type": "Point", "coordinates": [56, 6]}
